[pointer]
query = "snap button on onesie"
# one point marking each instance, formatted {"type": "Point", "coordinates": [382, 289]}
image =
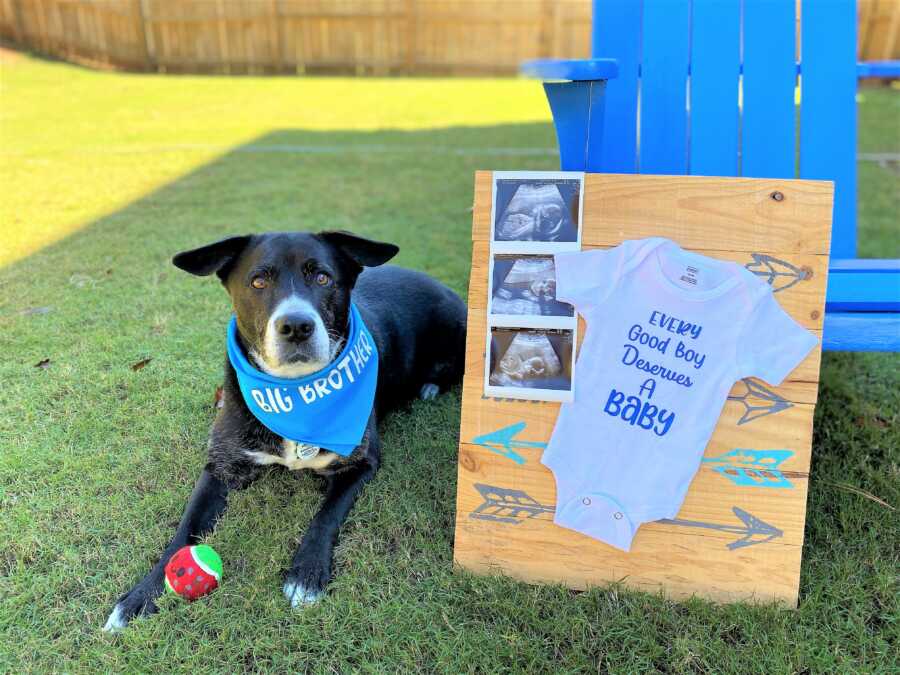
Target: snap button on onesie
{"type": "Point", "coordinates": [599, 516]}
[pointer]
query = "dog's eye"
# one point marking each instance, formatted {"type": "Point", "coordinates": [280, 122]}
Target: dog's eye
{"type": "Point", "coordinates": [323, 279]}
{"type": "Point", "coordinates": [259, 282]}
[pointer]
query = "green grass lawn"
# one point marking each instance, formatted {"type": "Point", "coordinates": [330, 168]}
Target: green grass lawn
{"type": "Point", "coordinates": [104, 176]}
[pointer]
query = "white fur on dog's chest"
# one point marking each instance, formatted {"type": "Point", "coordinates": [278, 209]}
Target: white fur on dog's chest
{"type": "Point", "coordinates": [291, 456]}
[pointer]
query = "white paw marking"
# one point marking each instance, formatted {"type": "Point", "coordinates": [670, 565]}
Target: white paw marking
{"type": "Point", "coordinates": [429, 391]}
{"type": "Point", "coordinates": [116, 620]}
{"type": "Point", "coordinates": [298, 595]}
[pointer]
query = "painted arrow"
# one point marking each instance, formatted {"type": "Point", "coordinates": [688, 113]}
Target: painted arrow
{"type": "Point", "coordinates": [753, 527]}
{"type": "Point", "coordinates": [779, 274]}
{"type": "Point", "coordinates": [759, 401]}
{"type": "Point", "coordinates": [503, 441]}
{"type": "Point", "coordinates": [752, 468]}
{"type": "Point", "coordinates": [507, 505]}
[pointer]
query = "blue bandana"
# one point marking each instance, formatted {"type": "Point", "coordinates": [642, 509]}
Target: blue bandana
{"type": "Point", "coordinates": [328, 409]}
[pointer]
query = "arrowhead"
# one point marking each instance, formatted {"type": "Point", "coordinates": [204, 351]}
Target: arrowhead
{"type": "Point", "coordinates": [504, 440]}
{"type": "Point", "coordinates": [755, 525]}
{"type": "Point", "coordinates": [502, 436]}
{"type": "Point", "coordinates": [767, 401]}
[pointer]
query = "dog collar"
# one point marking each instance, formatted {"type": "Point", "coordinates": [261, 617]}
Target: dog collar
{"type": "Point", "coordinates": [328, 409]}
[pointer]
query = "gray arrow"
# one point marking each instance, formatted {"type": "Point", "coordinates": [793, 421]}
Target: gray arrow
{"type": "Point", "coordinates": [758, 401]}
{"type": "Point", "coordinates": [779, 274]}
{"type": "Point", "coordinates": [753, 527]}
{"type": "Point", "coordinates": [507, 505]}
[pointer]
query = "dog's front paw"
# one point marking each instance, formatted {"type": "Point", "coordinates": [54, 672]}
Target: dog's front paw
{"type": "Point", "coordinates": [305, 583]}
{"type": "Point", "coordinates": [136, 602]}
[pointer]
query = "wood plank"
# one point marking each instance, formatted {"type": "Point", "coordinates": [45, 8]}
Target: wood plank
{"type": "Point", "coordinates": [788, 429]}
{"type": "Point", "coordinates": [701, 213]}
{"type": "Point", "coordinates": [800, 386]}
{"type": "Point", "coordinates": [669, 556]}
{"type": "Point", "coordinates": [711, 497]}
{"type": "Point", "coordinates": [680, 565]}
{"type": "Point", "coordinates": [800, 280]}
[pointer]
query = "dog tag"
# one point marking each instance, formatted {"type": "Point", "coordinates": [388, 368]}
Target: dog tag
{"type": "Point", "coordinates": [306, 451]}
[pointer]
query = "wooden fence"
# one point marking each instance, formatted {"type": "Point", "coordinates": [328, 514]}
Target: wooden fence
{"type": "Point", "coordinates": [357, 36]}
{"type": "Point", "coordinates": [251, 36]}
{"type": "Point", "coordinates": [879, 27]}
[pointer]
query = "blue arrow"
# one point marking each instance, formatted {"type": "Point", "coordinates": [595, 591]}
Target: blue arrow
{"type": "Point", "coordinates": [753, 468]}
{"type": "Point", "coordinates": [503, 441]}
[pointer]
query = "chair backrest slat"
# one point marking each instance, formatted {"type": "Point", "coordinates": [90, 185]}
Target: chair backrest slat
{"type": "Point", "coordinates": [715, 75]}
{"type": "Point", "coordinates": [709, 87]}
{"type": "Point", "coordinates": [616, 32]}
{"type": "Point", "coordinates": [768, 123]}
{"type": "Point", "coordinates": [828, 110]}
{"type": "Point", "coordinates": [664, 70]}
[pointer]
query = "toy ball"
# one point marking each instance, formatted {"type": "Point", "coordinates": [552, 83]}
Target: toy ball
{"type": "Point", "coordinates": [193, 571]}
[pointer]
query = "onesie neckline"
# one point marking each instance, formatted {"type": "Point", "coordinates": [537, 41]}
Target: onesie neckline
{"type": "Point", "coordinates": [670, 248]}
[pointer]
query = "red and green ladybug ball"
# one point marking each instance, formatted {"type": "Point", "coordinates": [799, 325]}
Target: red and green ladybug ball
{"type": "Point", "coordinates": [193, 571]}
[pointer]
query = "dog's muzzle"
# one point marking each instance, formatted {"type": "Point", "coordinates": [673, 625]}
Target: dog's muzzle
{"type": "Point", "coordinates": [296, 340]}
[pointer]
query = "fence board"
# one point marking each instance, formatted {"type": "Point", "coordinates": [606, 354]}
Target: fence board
{"type": "Point", "coordinates": [879, 30]}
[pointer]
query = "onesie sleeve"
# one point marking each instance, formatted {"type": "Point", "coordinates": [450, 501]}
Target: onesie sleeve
{"type": "Point", "coordinates": [586, 278]}
{"type": "Point", "coordinates": [771, 343]}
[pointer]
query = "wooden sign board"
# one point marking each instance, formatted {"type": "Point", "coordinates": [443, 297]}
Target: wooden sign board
{"type": "Point", "coordinates": [739, 534]}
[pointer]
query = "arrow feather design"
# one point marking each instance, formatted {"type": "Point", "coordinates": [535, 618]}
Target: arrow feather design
{"type": "Point", "coordinates": [752, 468]}
{"type": "Point", "coordinates": [779, 274]}
{"type": "Point", "coordinates": [505, 505]}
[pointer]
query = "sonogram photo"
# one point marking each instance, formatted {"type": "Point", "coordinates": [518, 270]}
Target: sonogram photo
{"type": "Point", "coordinates": [537, 209]}
{"type": "Point", "coordinates": [526, 285]}
{"type": "Point", "coordinates": [531, 358]}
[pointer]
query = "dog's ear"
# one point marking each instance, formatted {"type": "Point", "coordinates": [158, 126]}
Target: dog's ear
{"type": "Point", "coordinates": [217, 257]}
{"type": "Point", "coordinates": [364, 252]}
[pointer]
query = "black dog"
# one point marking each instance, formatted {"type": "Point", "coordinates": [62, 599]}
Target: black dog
{"type": "Point", "coordinates": [291, 294]}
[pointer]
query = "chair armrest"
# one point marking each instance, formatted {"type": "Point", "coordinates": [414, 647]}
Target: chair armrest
{"type": "Point", "coordinates": [878, 69]}
{"type": "Point", "coordinates": [861, 332]}
{"type": "Point", "coordinates": [863, 285]}
{"type": "Point", "coordinates": [578, 70]}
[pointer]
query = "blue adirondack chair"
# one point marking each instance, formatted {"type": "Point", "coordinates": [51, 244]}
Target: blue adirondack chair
{"type": "Point", "coordinates": [647, 49]}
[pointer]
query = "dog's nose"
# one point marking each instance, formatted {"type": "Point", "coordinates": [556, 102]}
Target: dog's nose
{"type": "Point", "coordinates": [296, 327]}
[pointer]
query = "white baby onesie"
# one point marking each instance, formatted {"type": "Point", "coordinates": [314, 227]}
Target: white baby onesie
{"type": "Point", "coordinates": [668, 334]}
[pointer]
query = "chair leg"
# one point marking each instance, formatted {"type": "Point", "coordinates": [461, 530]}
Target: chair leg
{"type": "Point", "coordinates": [577, 109]}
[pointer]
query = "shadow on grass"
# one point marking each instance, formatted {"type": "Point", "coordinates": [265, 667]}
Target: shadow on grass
{"type": "Point", "coordinates": [410, 187]}
{"type": "Point", "coordinates": [101, 457]}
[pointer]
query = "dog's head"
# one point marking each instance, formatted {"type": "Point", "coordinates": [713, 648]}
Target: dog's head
{"type": "Point", "coordinates": [290, 291]}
